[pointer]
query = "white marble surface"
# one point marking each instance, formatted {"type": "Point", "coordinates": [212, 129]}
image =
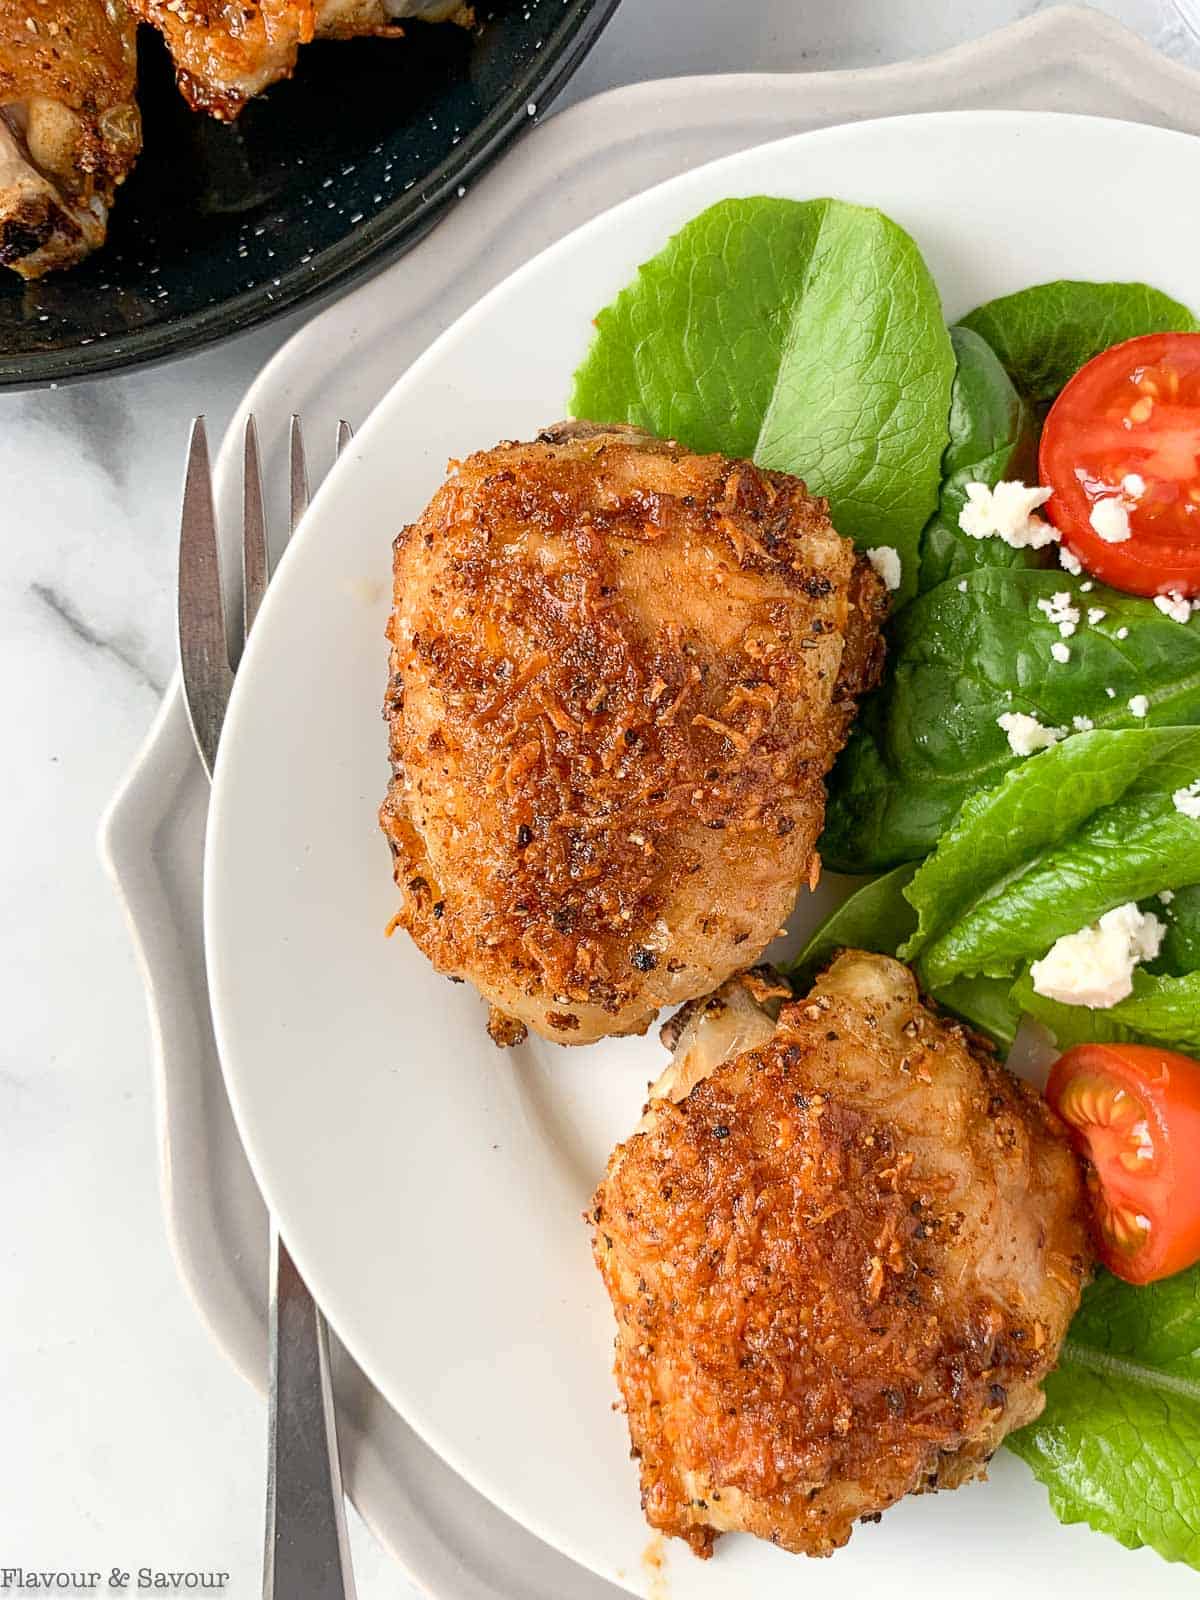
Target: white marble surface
{"type": "Point", "coordinates": [125, 1440]}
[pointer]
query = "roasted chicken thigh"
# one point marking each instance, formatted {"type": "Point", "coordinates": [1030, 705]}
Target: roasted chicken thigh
{"type": "Point", "coordinates": [226, 51]}
{"type": "Point", "coordinates": [69, 127]}
{"type": "Point", "coordinates": [843, 1249]}
{"type": "Point", "coordinates": [619, 675]}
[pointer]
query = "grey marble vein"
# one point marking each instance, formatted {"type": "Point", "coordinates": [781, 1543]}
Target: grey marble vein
{"type": "Point", "coordinates": [86, 634]}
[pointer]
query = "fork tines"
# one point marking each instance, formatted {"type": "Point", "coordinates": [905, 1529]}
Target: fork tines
{"type": "Point", "coordinates": [208, 655]}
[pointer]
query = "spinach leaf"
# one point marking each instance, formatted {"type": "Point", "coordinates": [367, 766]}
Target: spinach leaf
{"type": "Point", "coordinates": [875, 917]}
{"type": "Point", "coordinates": [878, 917]}
{"type": "Point", "coordinates": [1181, 947]}
{"type": "Point", "coordinates": [962, 655]}
{"type": "Point", "coordinates": [1076, 830]}
{"type": "Point", "coordinates": [991, 437]}
{"type": "Point", "coordinates": [1118, 1442]}
{"type": "Point", "coordinates": [1161, 1010]}
{"type": "Point", "coordinates": [1045, 334]}
{"type": "Point", "coordinates": [805, 334]}
{"type": "Point", "coordinates": [986, 1003]}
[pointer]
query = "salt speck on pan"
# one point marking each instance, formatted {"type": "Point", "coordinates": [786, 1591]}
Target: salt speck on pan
{"type": "Point", "coordinates": [531, 109]}
{"type": "Point", "coordinates": [461, 191]}
{"type": "Point", "coordinates": [357, 217]}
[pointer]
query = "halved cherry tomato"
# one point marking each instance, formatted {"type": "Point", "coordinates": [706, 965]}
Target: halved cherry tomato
{"type": "Point", "coordinates": [1126, 429]}
{"type": "Point", "coordinates": [1134, 1111]}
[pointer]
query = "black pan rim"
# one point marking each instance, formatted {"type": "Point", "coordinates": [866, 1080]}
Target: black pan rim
{"type": "Point", "coordinates": [372, 245]}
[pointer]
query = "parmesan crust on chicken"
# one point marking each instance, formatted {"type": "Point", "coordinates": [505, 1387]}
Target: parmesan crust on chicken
{"type": "Point", "coordinates": [843, 1249]}
{"type": "Point", "coordinates": [619, 675]}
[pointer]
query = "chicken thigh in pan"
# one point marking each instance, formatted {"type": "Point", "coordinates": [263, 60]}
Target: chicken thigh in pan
{"type": "Point", "coordinates": [227, 51]}
{"type": "Point", "coordinates": [843, 1249]}
{"type": "Point", "coordinates": [69, 127]}
{"type": "Point", "coordinates": [619, 674]}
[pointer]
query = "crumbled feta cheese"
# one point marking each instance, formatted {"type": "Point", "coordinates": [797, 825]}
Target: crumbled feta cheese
{"type": "Point", "coordinates": [1060, 652]}
{"type": "Point", "coordinates": [1187, 801]}
{"type": "Point", "coordinates": [1094, 967]}
{"type": "Point", "coordinates": [1133, 485]}
{"type": "Point", "coordinates": [1166, 896]}
{"type": "Point", "coordinates": [1139, 705]}
{"type": "Point", "coordinates": [1122, 633]}
{"type": "Point", "coordinates": [886, 562]}
{"type": "Point", "coordinates": [1061, 612]}
{"type": "Point", "coordinates": [1174, 605]}
{"type": "Point", "coordinates": [1069, 560]}
{"type": "Point", "coordinates": [962, 586]}
{"type": "Point", "coordinates": [1111, 693]}
{"type": "Point", "coordinates": [1026, 734]}
{"type": "Point", "coordinates": [1082, 724]}
{"type": "Point", "coordinates": [1086, 588]}
{"type": "Point", "coordinates": [1096, 614]}
{"type": "Point", "coordinates": [1006, 512]}
{"type": "Point", "coordinates": [1110, 518]}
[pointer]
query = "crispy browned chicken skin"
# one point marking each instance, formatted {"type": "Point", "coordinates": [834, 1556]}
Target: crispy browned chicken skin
{"type": "Point", "coordinates": [227, 51]}
{"type": "Point", "coordinates": [620, 673]}
{"type": "Point", "coordinates": [841, 1265]}
{"type": "Point", "coordinates": [69, 127]}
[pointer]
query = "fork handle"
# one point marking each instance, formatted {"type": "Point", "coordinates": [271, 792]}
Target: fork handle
{"type": "Point", "coordinates": [307, 1556]}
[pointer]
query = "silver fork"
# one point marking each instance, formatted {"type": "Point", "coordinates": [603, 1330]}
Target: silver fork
{"type": "Point", "coordinates": [306, 1556]}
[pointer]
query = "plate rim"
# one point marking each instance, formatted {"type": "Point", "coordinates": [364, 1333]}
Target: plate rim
{"type": "Point", "coordinates": [1102, 125]}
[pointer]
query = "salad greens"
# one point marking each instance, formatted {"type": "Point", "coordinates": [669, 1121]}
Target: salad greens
{"type": "Point", "coordinates": [1161, 1010]}
{"type": "Point", "coordinates": [1085, 826]}
{"type": "Point", "coordinates": [879, 916]}
{"type": "Point", "coordinates": [991, 437]}
{"type": "Point", "coordinates": [1045, 334]}
{"type": "Point", "coordinates": [961, 657]}
{"type": "Point", "coordinates": [1181, 947]}
{"type": "Point", "coordinates": [807, 335]}
{"type": "Point", "coordinates": [1118, 1442]}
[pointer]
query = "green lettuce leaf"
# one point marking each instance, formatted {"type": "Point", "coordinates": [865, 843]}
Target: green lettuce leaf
{"type": "Point", "coordinates": [878, 917]}
{"type": "Point", "coordinates": [1161, 1010]}
{"type": "Point", "coordinates": [1045, 334]}
{"type": "Point", "coordinates": [807, 335]}
{"type": "Point", "coordinates": [1181, 947]}
{"type": "Point", "coordinates": [1118, 1443]}
{"type": "Point", "coordinates": [991, 437]}
{"type": "Point", "coordinates": [962, 655]}
{"type": "Point", "coordinates": [1072, 832]}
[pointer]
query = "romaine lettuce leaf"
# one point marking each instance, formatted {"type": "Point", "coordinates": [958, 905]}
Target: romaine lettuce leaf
{"type": "Point", "coordinates": [1119, 1441]}
{"type": "Point", "coordinates": [1072, 832]}
{"type": "Point", "coordinates": [1162, 1010]}
{"type": "Point", "coordinates": [807, 335]}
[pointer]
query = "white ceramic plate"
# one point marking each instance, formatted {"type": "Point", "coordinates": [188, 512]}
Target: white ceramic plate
{"type": "Point", "coordinates": [431, 1187]}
